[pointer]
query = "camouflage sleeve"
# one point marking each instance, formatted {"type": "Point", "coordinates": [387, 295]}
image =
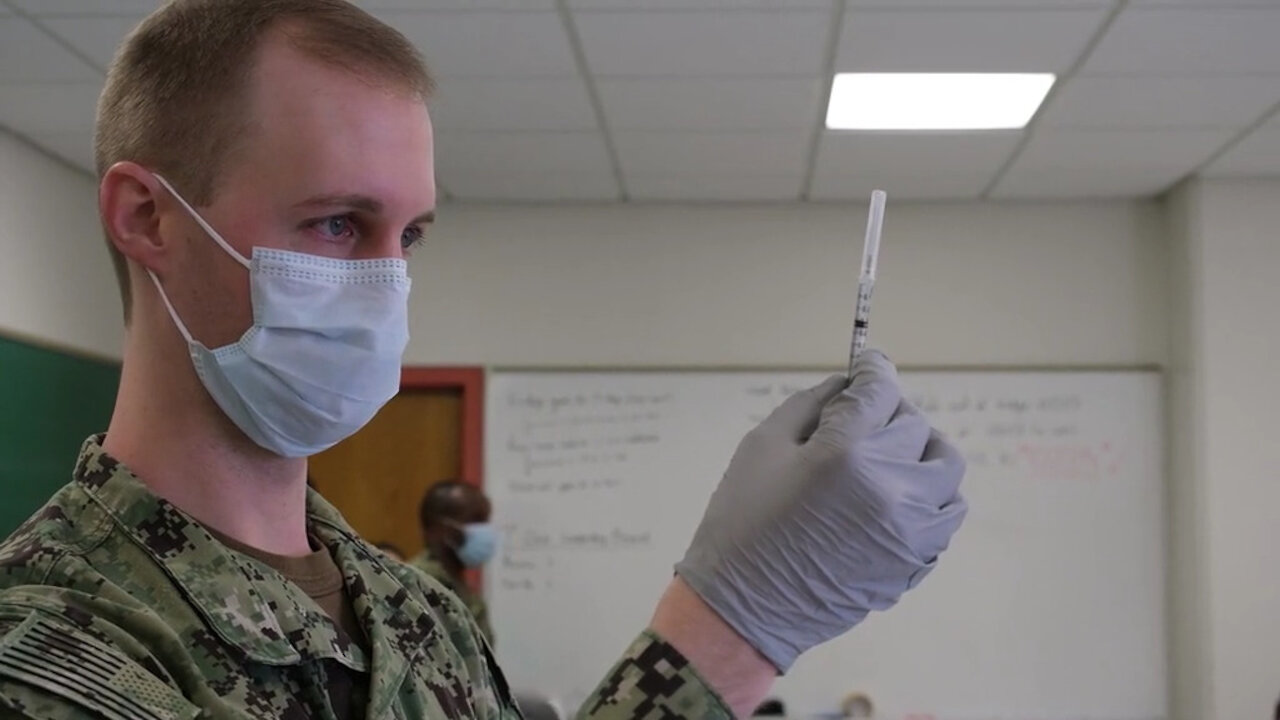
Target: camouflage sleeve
{"type": "Point", "coordinates": [653, 680]}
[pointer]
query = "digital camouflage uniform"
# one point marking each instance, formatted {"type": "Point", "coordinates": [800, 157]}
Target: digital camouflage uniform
{"type": "Point", "coordinates": [476, 605]}
{"type": "Point", "coordinates": [115, 604]}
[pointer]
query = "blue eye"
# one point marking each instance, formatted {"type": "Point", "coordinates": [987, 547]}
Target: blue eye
{"type": "Point", "coordinates": [412, 237]}
{"type": "Point", "coordinates": [337, 226]}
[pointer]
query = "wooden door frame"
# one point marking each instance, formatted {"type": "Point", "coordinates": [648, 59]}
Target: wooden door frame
{"type": "Point", "coordinates": [469, 381]}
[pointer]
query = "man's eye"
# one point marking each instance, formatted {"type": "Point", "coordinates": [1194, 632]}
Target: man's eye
{"type": "Point", "coordinates": [412, 237]}
{"type": "Point", "coordinates": [336, 226]}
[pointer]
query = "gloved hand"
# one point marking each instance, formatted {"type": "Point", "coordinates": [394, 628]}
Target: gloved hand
{"type": "Point", "coordinates": [834, 506]}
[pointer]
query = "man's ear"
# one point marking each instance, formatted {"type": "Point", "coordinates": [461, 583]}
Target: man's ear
{"type": "Point", "coordinates": [129, 202]}
{"type": "Point", "coordinates": [452, 536]}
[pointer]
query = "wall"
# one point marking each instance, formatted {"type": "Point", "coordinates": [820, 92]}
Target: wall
{"type": "Point", "coordinates": [49, 403]}
{"type": "Point", "coordinates": [1237, 353]}
{"type": "Point", "coordinates": [56, 282]}
{"type": "Point", "coordinates": [1188, 590]}
{"type": "Point", "coordinates": [59, 311]}
{"type": "Point", "coordinates": [685, 285]}
{"type": "Point", "coordinates": [1225, 591]}
{"type": "Point", "coordinates": [968, 284]}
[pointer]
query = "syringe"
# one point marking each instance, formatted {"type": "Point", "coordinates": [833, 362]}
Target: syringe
{"type": "Point", "coordinates": [867, 278]}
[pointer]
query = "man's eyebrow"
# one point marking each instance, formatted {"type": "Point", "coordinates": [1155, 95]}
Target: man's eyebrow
{"type": "Point", "coordinates": [362, 203]}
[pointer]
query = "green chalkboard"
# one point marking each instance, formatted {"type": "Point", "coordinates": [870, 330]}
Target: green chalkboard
{"type": "Point", "coordinates": [49, 403]}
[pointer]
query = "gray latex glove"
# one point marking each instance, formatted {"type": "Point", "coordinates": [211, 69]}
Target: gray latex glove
{"type": "Point", "coordinates": [834, 506]}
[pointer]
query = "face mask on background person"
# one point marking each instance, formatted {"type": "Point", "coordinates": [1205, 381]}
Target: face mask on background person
{"type": "Point", "coordinates": [479, 543]}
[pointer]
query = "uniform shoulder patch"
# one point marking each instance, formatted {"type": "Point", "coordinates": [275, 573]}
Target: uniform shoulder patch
{"type": "Point", "coordinates": [76, 670]}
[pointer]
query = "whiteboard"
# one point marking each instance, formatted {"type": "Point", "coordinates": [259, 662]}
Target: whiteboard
{"type": "Point", "coordinates": [1049, 604]}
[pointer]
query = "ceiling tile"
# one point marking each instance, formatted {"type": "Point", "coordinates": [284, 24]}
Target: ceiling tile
{"type": "Point", "coordinates": [476, 104]}
{"type": "Point", "coordinates": [965, 41]}
{"type": "Point", "coordinates": [75, 148]}
{"type": "Point", "coordinates": [1134, 162]}
{"type": "Point", "coordinates": [1257, 155]}
{"type": "Point", "coordinates": [97, 37]}
{"type": "Point", "coordinates": [1117, 149]}
{"type": "Point", "coordinates": [132, 8]}
{"type": "Point", "coordinates": [724, 153]}
{"type": "Point", "coordinates": [531, 187]}
{"type": "Point", "coordinates": [715, 188]}
{"type": "Point", "coordinates": [711, 103]}
{"type": "Point", "coordinates": [49, 107]}
{"type": "Point", "coordinates": [488, 44]}
{"type": "Point", "coordinates": [531, 153]}
{"type": "Point", "coordinates": [1188, 41]}
{"type": "Point", "coordinates": [909, 165]}
{"type": "Point", "coordinates": [1084, 183]}
{"type": "Point", "coordinates": [1134, 101]}
{"type": "Point", "coordinates": [704, 43]}
{"type": "Point", "coordinates": [27, 55]}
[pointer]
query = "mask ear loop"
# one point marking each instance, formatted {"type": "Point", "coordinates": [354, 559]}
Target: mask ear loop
{"type": "Point", "coordinates": [172, 313]}
{"type": "Point", "coordinates": [204, 225]}
{"type": "Point", "coordinates": [182, 328]}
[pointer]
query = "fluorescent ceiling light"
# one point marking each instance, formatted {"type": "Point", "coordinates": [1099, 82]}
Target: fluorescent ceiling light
{"type": "Point", "coordinates": [935, 101]}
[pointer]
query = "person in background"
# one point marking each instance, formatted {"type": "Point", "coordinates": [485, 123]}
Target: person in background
{"type": "Point", "coordinates": [391, 550]}
{"type": "Point", "coordinates": [457, 536]}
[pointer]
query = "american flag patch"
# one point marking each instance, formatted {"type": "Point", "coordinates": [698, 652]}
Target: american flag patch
{"type": "Point", "coordinates": [80, 669]}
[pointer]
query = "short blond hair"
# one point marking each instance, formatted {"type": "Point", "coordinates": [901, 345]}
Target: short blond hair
{"type": "Point", "coordinates": [175, 96]}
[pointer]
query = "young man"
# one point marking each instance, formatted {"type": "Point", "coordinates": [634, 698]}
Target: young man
{"type": "Point", "coordinates": [457, 535]}
{"type": "Point", "coordinates": [264, 167]}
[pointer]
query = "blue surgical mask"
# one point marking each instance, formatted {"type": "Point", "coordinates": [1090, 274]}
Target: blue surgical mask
{"type": "Point", "coordinates": [479, 543]}
{"type": "Point", "coordinates": [323, 353]}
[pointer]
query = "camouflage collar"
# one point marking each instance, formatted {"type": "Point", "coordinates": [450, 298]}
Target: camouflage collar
{"type": "Point", "coordinates": [401, 629]}
{"type": "Point", "coordinates": [247, 604]}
